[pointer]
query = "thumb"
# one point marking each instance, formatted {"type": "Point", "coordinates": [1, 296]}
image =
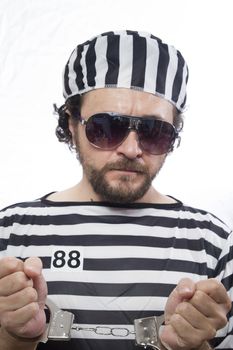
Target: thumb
{"type": "Point", "coordinates": [33, 269]}
{"type": "Point", "coordinates": [184, 290]}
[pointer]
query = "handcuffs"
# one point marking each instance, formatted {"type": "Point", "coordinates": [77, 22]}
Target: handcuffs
{"type": "Point", "coordinates": [60, 325]}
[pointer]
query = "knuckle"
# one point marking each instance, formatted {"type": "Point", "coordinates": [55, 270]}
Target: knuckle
{"type": "Point", "coordinates": [211, 284]}
{"type": "Point", "coordinates": [33, 308]}
{"type": "Point", "coordinates": [228, 304]}
{"type": "Point", "coordinates": [197, 298]}
{"type": "Point", "coordinates": [31, 294]}
{"type": "Point", "coordinates": [183, 308]}
{"type": "Point", "coordinates": [211, 333]}
{"type": "Point", "coordinates": [11, 264]}
{"type": "Point", "coordinates": [21, 280]}
{"type": "Point", "coordinates": [197, 340]}
{"type": "Point", "coordinates": [1, 307]}
{"type": "Point", "coordinates": [208, 332]}
{"type": "Point", "coordinates": [222, 321]}
{"type": "Point", "coordinates": [175, 319]}
{"type": "Point", "coordinates": [189, 342]}
{"type": "Point", "coordinates": [215, 284]}
{"type": "Point", "coordinates": [182, 343]}
{"type": "Point", "coordinates": [6, 320]}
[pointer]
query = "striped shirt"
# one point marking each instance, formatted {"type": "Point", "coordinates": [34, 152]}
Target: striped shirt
{"type": "Point", "coordinates": [110, 264]}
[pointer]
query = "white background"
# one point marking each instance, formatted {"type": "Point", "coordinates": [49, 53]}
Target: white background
{"type": "Point", "coordinates": [36, 39]}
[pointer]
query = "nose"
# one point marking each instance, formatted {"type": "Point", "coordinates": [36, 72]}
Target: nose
{"type": "Point", "coordinates": [130, 147]}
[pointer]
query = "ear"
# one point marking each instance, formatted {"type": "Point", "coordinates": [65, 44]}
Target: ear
{"type": "Point", "coordinates": [72, 125]}
{"type": "Point", "coordinates": [70, 122]}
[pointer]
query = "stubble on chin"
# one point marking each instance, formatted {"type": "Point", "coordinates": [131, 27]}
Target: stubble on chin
{"type": "Point", "coordinates": [124, 190]}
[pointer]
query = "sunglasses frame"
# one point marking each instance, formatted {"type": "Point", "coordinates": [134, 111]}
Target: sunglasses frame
{"type": "Point", "coordinates": [133, 126]}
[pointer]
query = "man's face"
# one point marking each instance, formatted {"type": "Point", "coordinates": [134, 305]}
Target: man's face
{"type": "Point", "coordinates": [125, 173]}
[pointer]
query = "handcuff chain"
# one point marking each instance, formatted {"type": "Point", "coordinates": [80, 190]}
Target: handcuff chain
{"type": "Point", "coordinates": [101, 330]}
{"type": "Point", "coordinates": [146, 330]}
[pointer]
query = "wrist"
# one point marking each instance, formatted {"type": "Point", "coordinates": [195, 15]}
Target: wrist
{"type": "Point", "coordinates": [204, 346]}
{"type": "Point", "coordinates": [164, 346]}
{"type": "Point", "coordinates": [12, 342]}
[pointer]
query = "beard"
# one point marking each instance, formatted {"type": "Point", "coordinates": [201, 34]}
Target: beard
{"type": "Point", "coordinates": [124, 191]}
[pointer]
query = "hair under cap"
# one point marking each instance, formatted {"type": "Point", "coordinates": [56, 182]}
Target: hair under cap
{"type": "Point", "coordinates": [127, 59]}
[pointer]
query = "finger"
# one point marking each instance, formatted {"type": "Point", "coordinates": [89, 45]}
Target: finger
{"type": "Point", "coordinates": [10, 265]}
{"type": "Point", "coordinates": [18, 300]}
{"type": "Point", "coordinates": [13, 283]}
{"type": "Point", "coordinates": [28, 321]}
{"type": "Point", "coordinates": [33, 268]}
{"type": "Point", "coordinates": [186, 335]}
{"type": "Point", "coordinates": [197, 319]}
{"type": "Point", "coordinates": [209, 308]}
{"type": "Point", "coordinates": [17, 318]}
{"type": "Point", "coordinates": [176, 341]}
{"type": "Point", "coordinates": [40, 285]}
{"type": "Point", "coordinates": [180, 334]}
{"type": "Point", "coordinates": [216, 291]}
{"type": "Point", "coordinates": [184, 290]}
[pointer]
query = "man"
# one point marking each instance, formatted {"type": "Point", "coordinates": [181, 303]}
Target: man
{"type": "Point", "coordinates": [114, 249]}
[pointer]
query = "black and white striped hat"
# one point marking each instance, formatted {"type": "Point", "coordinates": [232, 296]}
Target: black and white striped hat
{"type": "Point", "coordinates": [127, 59]}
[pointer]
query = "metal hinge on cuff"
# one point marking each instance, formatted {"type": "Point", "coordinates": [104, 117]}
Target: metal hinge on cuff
{"type": "Point", "coordinates": [147, 331]}
{"type": "Point", "coordinates": [61, 322]}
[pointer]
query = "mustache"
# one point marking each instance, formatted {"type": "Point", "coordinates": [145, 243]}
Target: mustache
{"type": "Point", "coordinates": [126, 164]}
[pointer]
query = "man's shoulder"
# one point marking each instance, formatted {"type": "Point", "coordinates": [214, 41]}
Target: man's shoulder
{"type": "Point", "coordinates": [23, 204]}
{"type": "Point", "coordinates": [205, 219]}
{"type": "Point", "coordinates": [20, 206]}
{"type": "Point", "coordinates": [23, 207]}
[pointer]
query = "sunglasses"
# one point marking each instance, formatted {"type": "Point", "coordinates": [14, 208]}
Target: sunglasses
{"type": "Point", "coordinates": [108, 130]}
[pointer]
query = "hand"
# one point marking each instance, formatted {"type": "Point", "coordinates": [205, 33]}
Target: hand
{"type": "Point", "coordinates": [193, 314]}
{"type": "Point", "coordinates": [23, 292]}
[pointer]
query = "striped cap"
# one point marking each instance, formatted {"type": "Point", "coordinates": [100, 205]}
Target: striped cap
{"type": "Point", "coordinates": [127, 59]}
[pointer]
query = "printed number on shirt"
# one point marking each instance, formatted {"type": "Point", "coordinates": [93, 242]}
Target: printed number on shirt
{"type": "Point", "coordinates": [67, 258]}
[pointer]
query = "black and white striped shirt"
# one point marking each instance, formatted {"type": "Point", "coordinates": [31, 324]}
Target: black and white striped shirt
{"type": "Point", "coordinates": [110, 264]}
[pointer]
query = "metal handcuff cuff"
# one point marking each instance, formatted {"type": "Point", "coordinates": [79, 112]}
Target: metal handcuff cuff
{"type": "Point", "coordinates": [146, 330]}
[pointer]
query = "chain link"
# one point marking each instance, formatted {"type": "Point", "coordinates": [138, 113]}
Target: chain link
{"type": "Point", "coordinates": [101, 330]}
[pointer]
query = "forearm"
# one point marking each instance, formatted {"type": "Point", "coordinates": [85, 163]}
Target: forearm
{"type": "Point", "coordinates": [8, 342]}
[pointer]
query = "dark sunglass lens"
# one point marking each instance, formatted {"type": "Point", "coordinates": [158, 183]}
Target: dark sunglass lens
{"type": "Point", "coordinates": [106, 131]}
{"type": "Point", "coordinates": [156, 136]}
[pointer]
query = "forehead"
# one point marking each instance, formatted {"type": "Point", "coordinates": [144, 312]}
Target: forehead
{"type": "Point", "coordinates": [126, 101]}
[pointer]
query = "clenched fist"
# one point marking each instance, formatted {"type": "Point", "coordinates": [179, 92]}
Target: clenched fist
{"type": "Point", "coordinates": [23, 292]}
{"type": "Point", "coordinates": [193, 314]}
